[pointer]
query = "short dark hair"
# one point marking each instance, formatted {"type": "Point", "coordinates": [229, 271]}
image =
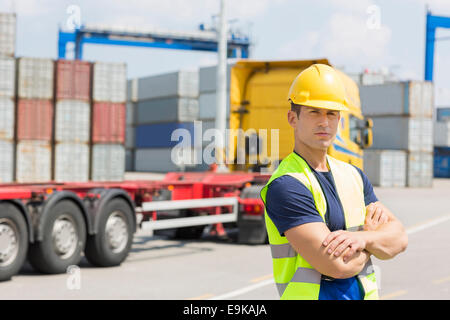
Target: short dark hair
{"type": "Point", "coordinates": [296, 108]}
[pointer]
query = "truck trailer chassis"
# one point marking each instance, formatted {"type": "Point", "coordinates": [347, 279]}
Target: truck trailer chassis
{"type": "Point", "coordinates": [52, 224]}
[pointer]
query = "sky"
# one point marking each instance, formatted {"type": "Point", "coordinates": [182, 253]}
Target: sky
{"type": "Point", "coordinates": [353, 35]}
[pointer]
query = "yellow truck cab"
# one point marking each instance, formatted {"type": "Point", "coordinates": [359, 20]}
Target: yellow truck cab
{"type": "Point", "coordinates": [258, 104]}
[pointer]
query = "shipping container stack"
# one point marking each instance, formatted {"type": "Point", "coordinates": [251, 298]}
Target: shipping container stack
{"type": "Point", "coordinates": [7, 95]}
{"type": "Point", "coordinates": [109, 93]}
{"type": "Point", "coordinates": [35, 112]}
{"type": "Point", "coordinates": [402, 114]}
{"type": "Point", "coordinates": [207, 98]}
{"type": "Point", "coordinates": [162, 104]}
{"type": "Point", "coordinates": [442, 143]}
{"type": "Point", "coordinates": [72, 121]}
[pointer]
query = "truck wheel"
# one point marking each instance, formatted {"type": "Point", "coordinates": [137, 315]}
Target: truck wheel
{"type": "Point", "coordinates": [13, 241]}
{"type": "Point", "coordinates": [112, 242]}
{"type": "Point", "coordinates": [64, 237]}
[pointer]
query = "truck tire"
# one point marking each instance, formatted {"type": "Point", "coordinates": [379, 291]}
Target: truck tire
{"type": "Point", "coordinates": [64, 238]}
{"type": "Point", "coordinates": [252, 231]}
{"type": "Point", "coordinates": [13, 240]}
{"type": "Point", "coordinates": [112, 242]}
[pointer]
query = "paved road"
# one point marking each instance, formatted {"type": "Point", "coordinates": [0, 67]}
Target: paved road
{"type": "Point", "coordinates": [160, 268]}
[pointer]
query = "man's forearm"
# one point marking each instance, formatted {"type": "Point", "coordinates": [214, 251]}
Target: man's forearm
{"type": "Point", "coordinates": [387, 240]}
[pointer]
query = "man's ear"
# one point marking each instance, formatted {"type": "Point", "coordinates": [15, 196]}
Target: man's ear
{"type": "Point", "coordinates": [292, 118]}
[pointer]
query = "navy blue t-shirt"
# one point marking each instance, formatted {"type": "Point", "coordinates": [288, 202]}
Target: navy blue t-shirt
{"type": "Point", "coordinates": [294, 206]}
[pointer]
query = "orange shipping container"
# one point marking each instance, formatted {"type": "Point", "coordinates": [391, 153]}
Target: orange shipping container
{"type": "Point", "coordinates": [108, 122]}
{"type": "Point", "coordinates": [34, 119]}
{"type": "Point", "coordinates": [73, 80]}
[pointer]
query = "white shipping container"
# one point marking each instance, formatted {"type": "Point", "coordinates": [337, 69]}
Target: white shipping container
{"type": "Point", "coordinates": [110, 82]}
{"type": "Point", "coordinates": [35, 78]}
{"type": "Point", "coordinates": [420, 170]}
{"type": "Point", "coordinates": [183, 83]}
{"type": "Point", "coordinates": [33, 162]}
{"type": "Point", "coordinates": [442, 133]}
{"type": "Point", "coordinates": [7, 115]}
{"type": "Point", "coordinates": [7, 34]}
{"type": "Point", "coordinates": [7, 77]}
{"type": "Point", "coordinates": [403, 133]}
{"type": "Point", "coordinates": [72, 121]}
{"type": "Point", "coordinates": [108, 162]}
{"type": "Point", "coordinates": [409, 98]}
{"type": "Point", "coordinates": [385, 168]}
{"type": "Point", "coordinates": [71, 162]}
{"type": "Point", "coordinates": [208, 78]}
{"type": "Point", "coordinates": [6, 161]}
{"type": "Point", "coordinates": [172, 109]}
{"type": "Point", "coordinates": [207, 104]}
{"type": "Point", "coordinates": [132, 90]}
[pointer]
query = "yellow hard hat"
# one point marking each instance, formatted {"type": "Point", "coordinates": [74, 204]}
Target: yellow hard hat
{"type": "Point", "coordinates": [319, 86]}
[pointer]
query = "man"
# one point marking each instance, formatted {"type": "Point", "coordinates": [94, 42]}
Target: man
{"type": "Point", "coordinates": [322, 216]}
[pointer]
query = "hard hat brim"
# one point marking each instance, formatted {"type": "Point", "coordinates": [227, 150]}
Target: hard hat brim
{"type": "Point", "coordinates": [323, 104]}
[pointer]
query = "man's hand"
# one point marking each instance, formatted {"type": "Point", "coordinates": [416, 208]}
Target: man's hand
{"type": "Point", "coordinates": [339, 241]}
{"type": "Point", "coordinates": [375, 216]}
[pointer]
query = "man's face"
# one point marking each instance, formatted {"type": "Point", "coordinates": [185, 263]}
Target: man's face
{"type": "Point", "coordinates": [315, 127]}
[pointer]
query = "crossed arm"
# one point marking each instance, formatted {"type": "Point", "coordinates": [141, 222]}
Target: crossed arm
{"type": "Point", "coordinates": [343, 254]}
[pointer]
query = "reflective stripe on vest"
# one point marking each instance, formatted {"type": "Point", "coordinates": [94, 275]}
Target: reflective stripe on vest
{"type": "Point", "coordinates": [295, 278]}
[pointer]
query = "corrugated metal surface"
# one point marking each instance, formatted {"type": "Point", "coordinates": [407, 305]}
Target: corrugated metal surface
{"type": "Point", "coordinates": [110, 82]}
{"type": "Point", "coordinates": [33, 161]}
{"type": "Point", "coordinates": [176, 84]}
{"type": "Point", "coordinates": [34, 119]}
{"type": "Point", "coordinates": [442, 133]}
{"type": "Point", "coordinates": [385, 168]}
{"type": "Point", "coordinates": [164, 159]}
{"type": "Point", "coordinates": [35, 78]}
{"type": "Point", "coordinates": [419, 169]}
{"type": "Point", "coordinates": [6, 161]}
{"type": "Point", "coordinates": [7, 111]}
{"type": "Point", "coordinates": [7, 77]}
{"type": "Point", "coordinates": [442, 162]}
{"type": "Point", "coordinates": [207, 105]}
{"type": "Point", "coordinates": [167, 110]}
{"type": "Point", "coordinates": [208, 78]}
{"type": "Point", "coordinates": [72, 121]}
{"type": "Point", "coordinates": [108, 122]}
{"type": "Point", "coordinates": [73, 80]}
{"type": "Point", "coordinates": [403, 133]}
{"type": "Point", "coordinates": [411, 98]}
{"type": "Point", "coordinates": [159, 135]}
{"type": "Point", "coordinates": [71, 162]}
{"type": "Point", "coordinates": [108, 162]}
{"type": "Point", "coordinates": [7, 34]}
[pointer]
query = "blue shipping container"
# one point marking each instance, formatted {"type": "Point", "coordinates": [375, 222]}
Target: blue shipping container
{"type": "Point", "coordinates": [160, 135]}
{"type": "Point", "coordinates": [442, 162]}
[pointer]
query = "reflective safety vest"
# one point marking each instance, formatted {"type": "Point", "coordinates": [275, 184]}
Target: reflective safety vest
{"type": "Point", "coordinates": [295, 278]}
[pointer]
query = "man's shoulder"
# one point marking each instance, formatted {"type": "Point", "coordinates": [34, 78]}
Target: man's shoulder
{"type": "Point", "coordinates": [286, 186]}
